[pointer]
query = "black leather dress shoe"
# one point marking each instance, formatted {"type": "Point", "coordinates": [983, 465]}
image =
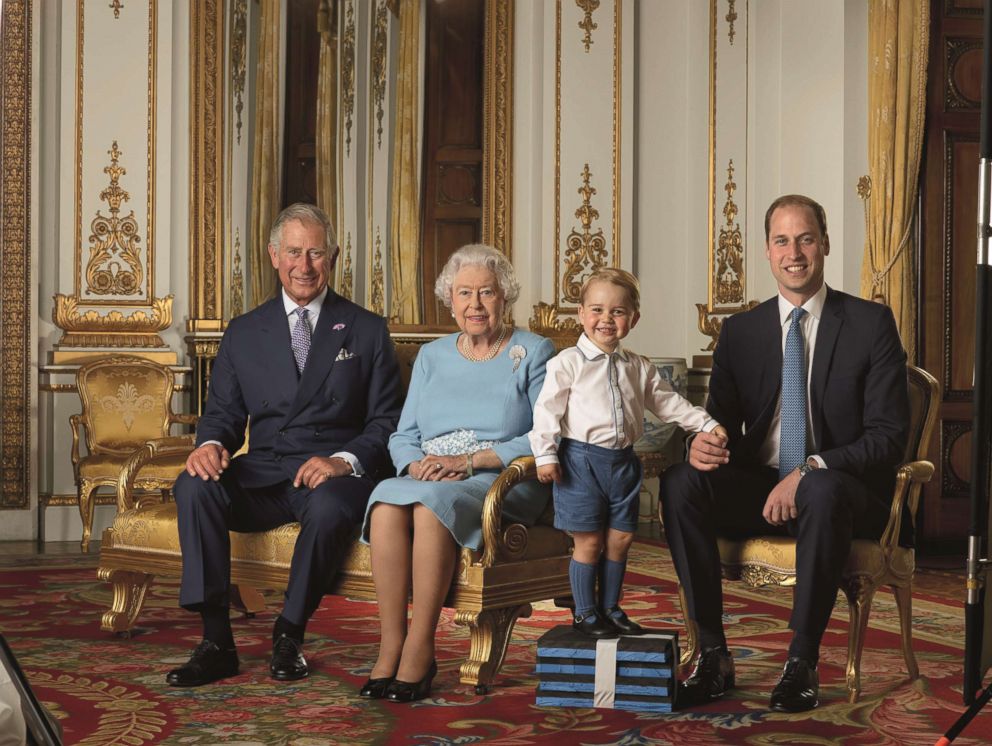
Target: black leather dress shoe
{"type": "Point", "coordinates": [208, 663]}
{"type": "Point", "coordinates": [594, 625]}
{"type": "Point", "coordinates": [798, 688]}
{"type": "Point", "coordinates": [288, 663]}
{"type": "Point", "coordinates": [375, 688]}
{"type": "Point", "coordinates": [619, 619]}
{"type": "Point", "coordinates": [712, 677]}
{"type": "Point", "coordinates": [411, 691]}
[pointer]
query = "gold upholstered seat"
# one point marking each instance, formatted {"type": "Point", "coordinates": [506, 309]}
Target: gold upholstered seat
{"type": "Point", "coordinates": [126, 401]}
{"type": "Point", "coordinates": [771, 560]}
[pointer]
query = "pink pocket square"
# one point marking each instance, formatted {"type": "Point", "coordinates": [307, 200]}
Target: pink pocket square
{"type": "Point", "coordinates": [338, 327]}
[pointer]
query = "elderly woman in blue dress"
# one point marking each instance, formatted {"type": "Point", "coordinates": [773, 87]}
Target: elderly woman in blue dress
{"type": "Point", "coordinates": [466, 416]}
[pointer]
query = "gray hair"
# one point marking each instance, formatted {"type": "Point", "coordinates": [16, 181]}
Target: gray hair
{"type": "Point", "coordinates": [308, 214]}
{"type": "Point", "coordinates": [477, 255]}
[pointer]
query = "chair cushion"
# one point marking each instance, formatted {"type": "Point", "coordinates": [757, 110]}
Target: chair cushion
{"type": "Point", "coordinates": [777, 555]}
{"type": "Point", "coordinates": [108, 467]}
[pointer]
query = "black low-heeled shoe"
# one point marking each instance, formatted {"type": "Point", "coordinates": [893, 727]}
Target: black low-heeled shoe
{"type": "Point", "coordinates": [406, 691]}
{"type": "Point", "coordinates": [375, 688]}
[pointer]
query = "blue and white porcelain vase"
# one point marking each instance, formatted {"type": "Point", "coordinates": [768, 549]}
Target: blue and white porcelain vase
{"type": "Point", "coordinates": [658, 434]}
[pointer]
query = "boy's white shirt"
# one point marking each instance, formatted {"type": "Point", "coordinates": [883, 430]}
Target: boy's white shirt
{"type": "Point", "coordinates": [579, 401]}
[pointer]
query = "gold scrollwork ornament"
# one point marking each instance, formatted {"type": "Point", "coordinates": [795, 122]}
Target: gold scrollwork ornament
{"type": "Point", "coordinates": [114, 240]}
{"type": "Point", "coordinates": [586, 249]}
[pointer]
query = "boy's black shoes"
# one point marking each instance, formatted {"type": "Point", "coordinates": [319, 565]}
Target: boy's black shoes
{"type": "Point", "coordinates": [619, 619]}
{"type": "Point", "coordinates": [594, 625]}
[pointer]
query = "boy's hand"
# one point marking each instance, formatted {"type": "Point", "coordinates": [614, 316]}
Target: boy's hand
{"type": "Point", "coordinates": [549, 473]}
{"type": "Point", "coordinates": [709, 450]}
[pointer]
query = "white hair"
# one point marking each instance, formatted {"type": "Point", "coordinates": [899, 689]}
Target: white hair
{"type": "Point", "coordinates": [478, 255]}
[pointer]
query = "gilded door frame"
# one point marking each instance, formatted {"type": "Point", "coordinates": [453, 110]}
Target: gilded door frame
{"type": "Point", "coordinates": [15, 269]}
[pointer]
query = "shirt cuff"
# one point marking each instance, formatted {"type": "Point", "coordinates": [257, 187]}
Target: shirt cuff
{"type": "Point", "coordinates": [821, 464]}
{"type": "Point", "coordinates": [356, 465]}
{"type": "Point", "coordinates": [549, 458]}
{"type": "Point", "coordinates": [206, 442]}
{"type": "Point", "coordinates": [710, 425]}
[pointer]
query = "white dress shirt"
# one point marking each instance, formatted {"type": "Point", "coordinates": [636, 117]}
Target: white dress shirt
{"type": "Point", "coordinates": [810, 322]}
{"type": "Point", "coordinates": [313, 307]}
{"type": "Point", "coordinates": [599, 398]}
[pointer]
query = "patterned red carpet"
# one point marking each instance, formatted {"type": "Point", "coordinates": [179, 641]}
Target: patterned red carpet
{"type": "Point", "coordinates": [111, 691]}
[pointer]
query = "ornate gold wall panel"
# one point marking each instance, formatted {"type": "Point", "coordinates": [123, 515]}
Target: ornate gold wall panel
{"type": "Point", "coordinates": [107, 110]}
{"type": "Point", "coordinates": [497, 157]}
{"type": "Point", "coordinates": [726, 284]}
{"type": "Point", "coordinates": [590, 145]}
{"type": "Point", "coordinates": [206, 165]}
{"type": "Point", "coordinates": [15, 269]}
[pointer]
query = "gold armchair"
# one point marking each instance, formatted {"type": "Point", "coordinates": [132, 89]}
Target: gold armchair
{"type": "Point", "coordinates": [126, 401]}
{"type": "Point", "coordinates": [771, 560]}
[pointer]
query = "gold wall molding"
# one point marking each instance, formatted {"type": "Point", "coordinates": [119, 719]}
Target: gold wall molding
{"type": "Point", "coordinates": [347, 277]}
{"type": "Point", "coordinates": [348, 71]}
{"type": "Point", "coordinates": [380, 44]}
{"type": "Point", "coordinates": [117, 5]}
{"type": "Point", "coordinates": [114, 238]}
{"type": "Point", "coordinates": [546, 322]}
{"type": "Point", "coordinates": [16, 282]}
{"type": "Point", "coordinates": [91, 329]}
{"type": "Point", "coordinates": [497, 156]}
{"type": "Point", "coordinates": [588, 7]}
{"type": "Point", "coordinates": [141, 293]}
{"type": "Point", "coordinates": [728, 269]}
{"type": "Point", "coordinates": [586, 250]}
{"type": "Point", "coordinates": [726, 256]}
{"type": "Point", "coordinates": [378, 300]}
{"type": "Point", "coordinates": [239, 54]}
{"type": "Point", "coordinates": [206, 165]}
{"type": "Point", "coordinates": [237, 278]}
{"type": "Point", "coordinates": [58, 388]}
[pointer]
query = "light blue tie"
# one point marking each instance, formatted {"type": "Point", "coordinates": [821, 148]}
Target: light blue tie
{"type": "Point", "coordinates": [301, 338]}
{"type": "Point", "coordinates": [792, 448]}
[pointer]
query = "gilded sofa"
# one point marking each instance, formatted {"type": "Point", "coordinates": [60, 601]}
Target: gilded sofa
{"type": "Point", "coordinates": [517, 565]}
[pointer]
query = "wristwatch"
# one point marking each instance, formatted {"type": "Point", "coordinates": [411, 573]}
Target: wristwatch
{"type": "Point", "coordinates": [806, 468]}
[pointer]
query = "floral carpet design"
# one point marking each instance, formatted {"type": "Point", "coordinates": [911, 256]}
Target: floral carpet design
{"type": "Point", "coordinates": [108, 691]}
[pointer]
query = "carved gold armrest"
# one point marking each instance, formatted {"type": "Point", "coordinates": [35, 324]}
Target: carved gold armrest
{"type": "Point", "coordinates": [520, 470]}
{"type": "Point", "coordinates": [75, 422]}
{"type": "Point", "coordinates": [909, 478]}
{"type": "Point", "coordinates": [184, 419]}
{"type": "Point", "coordinates": [153, 450]}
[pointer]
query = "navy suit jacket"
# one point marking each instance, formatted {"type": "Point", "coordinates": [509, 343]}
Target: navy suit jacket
{"type": "Point", "coordinates": [859, 402]}
{"type": "Point", "coordinates": [348, 398]}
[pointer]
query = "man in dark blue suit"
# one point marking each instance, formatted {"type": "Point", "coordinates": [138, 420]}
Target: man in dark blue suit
{"type": "Point", "coordinates": [811, 386]}
{"type": "Point", "coordinates": [316, 376]}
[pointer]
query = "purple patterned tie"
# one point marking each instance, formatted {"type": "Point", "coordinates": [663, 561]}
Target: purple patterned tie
{"type": "Point", "coordinates": [301, 338]}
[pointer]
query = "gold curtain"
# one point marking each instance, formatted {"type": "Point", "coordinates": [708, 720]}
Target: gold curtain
{"type": "Point", "coordinates": [265, 180]}
{"type": "Point", "coordinates": [327, 111]}
{"type": "Point", "coordinates": [898, 41]}
{"type": "Point", "coordinates": [405, 218]}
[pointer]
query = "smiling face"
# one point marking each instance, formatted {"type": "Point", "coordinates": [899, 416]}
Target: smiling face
{"type": "Point", "coordinates": [606, 314]}
{"type": "Point", "coordinates": [302, 261]}
{"type": "Point", "coordinates": [796, 250]}
{"type": "Point", "coordinates": [477, 301]}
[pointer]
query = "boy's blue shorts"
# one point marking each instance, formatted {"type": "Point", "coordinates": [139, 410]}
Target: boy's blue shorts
{"type": "Point", "coordinates": [600, 487]}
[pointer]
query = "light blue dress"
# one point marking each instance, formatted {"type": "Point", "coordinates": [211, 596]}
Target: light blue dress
{"type": "Point", "coordinates": [455, 405]}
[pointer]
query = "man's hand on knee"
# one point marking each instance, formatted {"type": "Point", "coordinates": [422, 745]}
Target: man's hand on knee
{"type": "Point", "coordinates": [780, 507]}
{"type": "Point", "coordinates": [707, 451]}
{"type": "Point", "coordinates": [318, 469]}
{"type": "Point", "coordinates": [208, 461]}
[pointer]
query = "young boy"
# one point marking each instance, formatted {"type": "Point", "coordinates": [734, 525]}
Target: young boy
{"type": "Point", "coordinates": [586, 420]}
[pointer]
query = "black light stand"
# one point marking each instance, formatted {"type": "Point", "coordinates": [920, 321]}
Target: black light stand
{"type": "Point", "coordinates": [977, 566]}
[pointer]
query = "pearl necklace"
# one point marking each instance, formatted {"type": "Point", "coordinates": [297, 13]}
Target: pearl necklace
{"type": "Point", "coordinates": [493, 348]}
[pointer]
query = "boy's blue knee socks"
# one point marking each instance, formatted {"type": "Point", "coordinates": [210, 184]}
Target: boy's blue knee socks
{"type": "Point", "coordinates": [582, 577]}
{"type": "Point", "coordinates": [610, 582]}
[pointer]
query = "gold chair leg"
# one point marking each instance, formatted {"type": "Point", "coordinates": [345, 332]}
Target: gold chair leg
{"type": "Point", "coordinates": [247, 599]}
{"type": "Point", "coordinates": [859, 591]}
{"type": "Point", "coordinates": [129, 597]}
{"type": "Point", "coordinates": [691, 632]}
{"type": "Point", "coordinates": [490, 631]}
{"type": "Point", "coordinates": [85, 491]}
{"type": "Point", "coordinates": [904, 603]}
